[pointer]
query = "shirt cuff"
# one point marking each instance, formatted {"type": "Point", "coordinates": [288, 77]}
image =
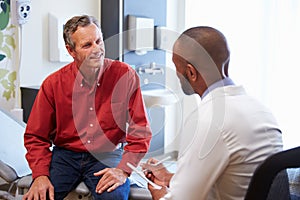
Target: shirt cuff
{"type": "Point", "coordinates": [131, 157]}
{"type": "Point", "coordinates": [40, 171]}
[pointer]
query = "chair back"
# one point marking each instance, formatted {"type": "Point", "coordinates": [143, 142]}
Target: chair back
{"type": "Point", "coordinates": [271, 179]}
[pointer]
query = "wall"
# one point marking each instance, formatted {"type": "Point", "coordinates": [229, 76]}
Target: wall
{"type": "Point", "coordinates": [35, 64]}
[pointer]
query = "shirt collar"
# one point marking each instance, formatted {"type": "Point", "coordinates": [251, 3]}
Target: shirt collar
{"type": "Point", "coordinates": [80, 78]}
{"type": "Point", "coordinates": [221, 83]}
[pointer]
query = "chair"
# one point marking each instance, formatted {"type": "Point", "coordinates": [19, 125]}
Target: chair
{"type": "Point", "coordinates": [270, 180]}
{"type": "Point", "coordinates": [8, 177]}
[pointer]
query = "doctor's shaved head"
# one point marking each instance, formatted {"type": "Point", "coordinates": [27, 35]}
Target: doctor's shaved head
{"type": "Point", "coordinates": [203, 45]}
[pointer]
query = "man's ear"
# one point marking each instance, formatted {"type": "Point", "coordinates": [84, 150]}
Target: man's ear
{"type": "Point", "coordinates": [70, 50]}
{"type": "Point", "coordinates": [191, 72]}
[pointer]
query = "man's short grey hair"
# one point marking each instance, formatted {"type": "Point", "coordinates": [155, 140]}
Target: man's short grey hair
{"type": "Point", "coordinates": [72, 24]}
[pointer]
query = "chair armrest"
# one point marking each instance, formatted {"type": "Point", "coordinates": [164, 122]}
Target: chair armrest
{"type": "Point", "coordinates": [24, 182]}
{"type": "Point", "coordinates": [7, 173]}
{"type": "Point", "coordinates": [6, 195]}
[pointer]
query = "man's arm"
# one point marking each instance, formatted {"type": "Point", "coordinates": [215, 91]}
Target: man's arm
{"type": "Point", "coordinates": [138, 132]}
{"type": "Point", "coordinates": [37, 142]}
{"type": "Point", "coordinates": [137, 138]}
{"type": "Point", "coordinates": [37, 134]}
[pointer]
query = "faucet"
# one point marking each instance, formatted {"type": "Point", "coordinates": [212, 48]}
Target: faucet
{"type": "Point", "coordinates": [151, 70]}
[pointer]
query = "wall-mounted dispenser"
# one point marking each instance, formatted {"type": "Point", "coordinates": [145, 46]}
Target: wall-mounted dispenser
{"type": "Point", "coordinates": [164, 38]}
{"type": "Point", "coordinates": [140, 34]}
{"type": "Point", "coordinates": [57, 49]}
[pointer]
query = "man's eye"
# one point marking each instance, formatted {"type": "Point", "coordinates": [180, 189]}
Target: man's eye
{"type": "Point", "coordinates": [86, 45]}
{"type": "Point", "coordinates": [99, 42]}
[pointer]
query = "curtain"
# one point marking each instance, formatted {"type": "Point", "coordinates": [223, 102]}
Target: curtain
{"type": "Point", "coordinates": [264, 40]}
{"type": "Point", "coordinates": [8, 66]}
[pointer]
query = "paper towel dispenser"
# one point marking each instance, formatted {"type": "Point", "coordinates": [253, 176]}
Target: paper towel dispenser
{"type": "Point", "coordinates": [57, 49]}
{"type": "Point", "coordinates": [140, 34]}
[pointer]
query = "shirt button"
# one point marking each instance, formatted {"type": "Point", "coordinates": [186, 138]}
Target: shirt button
{"type": "Point", "coordinates": [91, 125]}
{"type": "Point", "coordinates": [81, 85]}
{"type": "Point", "coordinates": [98, 84]}
{"type": "Point", "coordinates": [91, 108]}
{"type": "Point", "coordinates": [89, 141]}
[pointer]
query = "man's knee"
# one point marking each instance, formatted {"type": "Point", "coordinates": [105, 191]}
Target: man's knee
{"type": "Point", "coordinates": [114, 195]}
{"type": "Point", "coordinates": [120, 193]}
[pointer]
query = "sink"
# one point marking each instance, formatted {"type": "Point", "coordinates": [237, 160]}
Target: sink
{"type": "Point", "coordinates": [159, 97]}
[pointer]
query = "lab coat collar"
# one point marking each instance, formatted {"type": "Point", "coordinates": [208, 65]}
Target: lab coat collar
{"type": "Point", "coordinates": [221, 83]}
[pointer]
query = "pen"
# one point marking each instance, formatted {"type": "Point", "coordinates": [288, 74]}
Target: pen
{"type": "Point", "coordinates": [162, 160]}
{"type": "Point", "coordinates": [159, 162]}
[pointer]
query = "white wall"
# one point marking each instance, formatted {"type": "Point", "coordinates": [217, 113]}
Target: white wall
{"type": "Point", "coordinates": [35, 64]}
{"type": "Point", "coordinates": [177, 113]}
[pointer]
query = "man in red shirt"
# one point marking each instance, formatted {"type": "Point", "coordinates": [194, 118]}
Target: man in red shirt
{"type": "Point", "coordinates": [82, 117]}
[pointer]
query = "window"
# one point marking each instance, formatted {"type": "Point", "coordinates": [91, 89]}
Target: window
{"type": "Point", "coordinates": [264, 39]}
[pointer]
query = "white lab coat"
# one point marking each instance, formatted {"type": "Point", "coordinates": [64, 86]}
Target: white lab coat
{"type": "Point", "coordinates": [223, 141]}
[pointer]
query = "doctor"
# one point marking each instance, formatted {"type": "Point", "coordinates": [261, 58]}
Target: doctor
{"type": "Point", "coordinates": [226, 137]}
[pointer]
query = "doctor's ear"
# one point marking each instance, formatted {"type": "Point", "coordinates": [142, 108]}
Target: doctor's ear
{"type": "Point", "coordinates": [191, 72]}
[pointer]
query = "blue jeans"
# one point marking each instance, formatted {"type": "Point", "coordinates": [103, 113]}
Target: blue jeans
{"type": "Point", "coordinates": [69, 168]}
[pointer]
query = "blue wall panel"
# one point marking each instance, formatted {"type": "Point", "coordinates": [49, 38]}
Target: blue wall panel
{"type": "Point", "coordinates": [156, 9]}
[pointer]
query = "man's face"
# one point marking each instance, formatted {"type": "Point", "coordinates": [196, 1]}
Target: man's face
{"type": "Point", "coordinates": [89, 47]}
{"type": "Point", "coordinates": [180, 65]}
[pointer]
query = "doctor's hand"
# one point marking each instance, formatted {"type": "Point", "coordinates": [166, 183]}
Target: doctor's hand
{"type": "Point", "coordinates": [157, 173]}
{"type": "Point", "coordinates": [110, 180]}
{"type": "Point", "coordinates": [41, 189]}
{"type": "Point", "coordinates": [157, 194]}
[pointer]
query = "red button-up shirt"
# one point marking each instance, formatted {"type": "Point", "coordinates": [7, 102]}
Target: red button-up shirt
{"type": "Point", "coordinates": [70, 113]}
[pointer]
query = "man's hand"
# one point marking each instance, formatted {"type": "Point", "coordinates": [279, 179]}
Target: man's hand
{"type": "Point", "coordinates": [157, 173]}
{"type": "Point", "coordinates": [111, 179]}
{"type": "Point", "coordinates": [40, 188]}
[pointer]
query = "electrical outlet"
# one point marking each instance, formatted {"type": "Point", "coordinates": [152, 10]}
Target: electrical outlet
{"type": "Point", "coordinates": [23, 9]}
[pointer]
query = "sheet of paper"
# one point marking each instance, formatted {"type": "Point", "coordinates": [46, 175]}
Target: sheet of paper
{"type": "Point", "coordinates": [142, 175]}
{"type": "Point", "coordinates": [12, 150]}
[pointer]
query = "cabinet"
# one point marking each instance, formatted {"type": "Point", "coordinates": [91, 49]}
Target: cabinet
{"type": "Point", "coordinates": [28, 95]}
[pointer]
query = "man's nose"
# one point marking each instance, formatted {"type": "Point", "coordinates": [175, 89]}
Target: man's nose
{"type": "Point", "coordinates": [97, 48]}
